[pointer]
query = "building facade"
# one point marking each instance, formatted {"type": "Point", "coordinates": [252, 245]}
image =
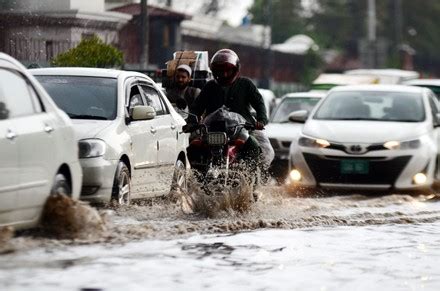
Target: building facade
{"type": "Point", "coordinates": [34, 32]}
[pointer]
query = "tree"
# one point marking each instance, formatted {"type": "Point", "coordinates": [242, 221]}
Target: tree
{"type": "Point", "coordinates": [285, 17]}
{"type": "Point", "coordinates": [90, 52]}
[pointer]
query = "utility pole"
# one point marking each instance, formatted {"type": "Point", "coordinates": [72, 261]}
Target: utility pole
{"type": "Point", "coordinates": [398, 29]}
{"type": "Point", "coordinates": [266, 45]}
{"type": "Point", "coordinates": [144, 35]}
{"type": "Point", "coordinates": [371, 29]}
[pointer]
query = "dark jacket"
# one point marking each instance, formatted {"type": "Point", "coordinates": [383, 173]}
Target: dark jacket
{"type": "Point", "coordinates": [239, 98]}
{"type": "Point", "coordinates": [189, 94]}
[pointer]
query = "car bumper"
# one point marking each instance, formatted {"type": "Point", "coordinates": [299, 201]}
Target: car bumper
{"type": "Point", "coordinates": [279, 168]}
{"type": "Point", "coordinates": [98, 179]}
{"type": "Point", "coordinates": [385, 169]}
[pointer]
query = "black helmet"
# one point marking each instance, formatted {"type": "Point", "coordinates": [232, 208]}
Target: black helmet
{"type": "Point", "coordinates": [225, 66]}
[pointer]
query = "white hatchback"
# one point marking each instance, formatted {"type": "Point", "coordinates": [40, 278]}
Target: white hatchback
{"type": "Point", "coordinates": [372, 137]}
{"type": "Point", "coordinates": [130, 138]}
{"type": "Point", "coordinates": [38, 149]}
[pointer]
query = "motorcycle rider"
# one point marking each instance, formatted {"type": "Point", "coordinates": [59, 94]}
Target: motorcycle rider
{"type": "Point", "coordinates": [238, 94]}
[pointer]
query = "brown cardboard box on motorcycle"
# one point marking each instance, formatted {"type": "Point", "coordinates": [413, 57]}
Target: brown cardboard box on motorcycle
{"type": "Point", "coordinates": [198, 62]}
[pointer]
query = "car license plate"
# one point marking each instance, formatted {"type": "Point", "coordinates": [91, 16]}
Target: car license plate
{"type": "Point", "coordinates": [354, 167]}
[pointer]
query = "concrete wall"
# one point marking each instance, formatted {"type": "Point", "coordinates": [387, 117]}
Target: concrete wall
{"type": "Point", "coordinates": [40, 44]}
{"type": "Point", "coordinates": [53, 5]}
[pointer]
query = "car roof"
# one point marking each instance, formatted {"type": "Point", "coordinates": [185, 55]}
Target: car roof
{"type": "Point", "coordinates": [424, 82]}
{"type": "Point", "coordinates": [8, 61]}
{"type": "Point", "coordinates": [386, 76]}
{"type": "Point", "coordinates": [383, 88]}
{"type": "Point", "coordinates": [90, 72]}
{"type": "Point", "coordinates": [309, 94]}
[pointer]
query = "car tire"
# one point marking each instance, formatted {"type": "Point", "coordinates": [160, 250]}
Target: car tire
{"type": "Point", "coordinates": [60, 185]}
{"type": "Point", "coordinates": [179, 182]}
{"type": "Point", "coordinates": [121, 192]}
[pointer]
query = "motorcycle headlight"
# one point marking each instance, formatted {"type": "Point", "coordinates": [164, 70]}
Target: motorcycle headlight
{"type": "Point", "coordinates": [91, 148]}
{"type": "Point", "coordinates": [313, 142]}
{"type": "Point", "coordinates": [404, 145]}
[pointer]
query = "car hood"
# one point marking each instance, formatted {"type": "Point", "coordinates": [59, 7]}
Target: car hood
{"type": "Point", "coordinates": [363, 131]}
{"type": "Point", "coordinates": [89, 128]}
{"type": "Point", "coordinates": [283, 131]}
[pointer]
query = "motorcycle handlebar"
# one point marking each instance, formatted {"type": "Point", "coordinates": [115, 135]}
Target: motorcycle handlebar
{"type": "Point", "coordinates": [188, 128]}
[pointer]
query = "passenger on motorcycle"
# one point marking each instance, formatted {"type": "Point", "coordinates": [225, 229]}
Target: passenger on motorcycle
{"type": "Point", "coordinates": [238, 94]}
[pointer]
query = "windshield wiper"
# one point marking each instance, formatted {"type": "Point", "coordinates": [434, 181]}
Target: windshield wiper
{"type": "Point", "coordinates": [348, 118]}
{"type": "Point", "coordinates": [85, 116]}
{"type": "Point", "coordinates": [402, 120]}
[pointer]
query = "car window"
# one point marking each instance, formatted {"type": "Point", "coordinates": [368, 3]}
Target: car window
{"type": "Point", "coordinates": [17, 94]}
{"type": "Point", "coordinates": [135, 98]}
{"type": "Point", "coordinates": [4, 110]}
{"type": "Point", "coordinates": [434, 105]}
{"type": "Point", "coordinates": [154, 100]}
{"type": "Point", "coordinates": [288, 105]}
{"type": "Point", "coordinates": [83, 97]}
{"type": "Point", "coordinates": [372, 105]}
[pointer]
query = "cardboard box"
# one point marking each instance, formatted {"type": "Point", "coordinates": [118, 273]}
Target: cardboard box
{"type": "Point", "coordinates": [185, 55]}
{"type": "Point", "coordinates": [173, 64]}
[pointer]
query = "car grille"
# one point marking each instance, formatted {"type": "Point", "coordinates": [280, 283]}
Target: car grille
{"type": "Point", "coordinates": [274, 142]}
{"type": "Point", "coordinates": [382, 171]}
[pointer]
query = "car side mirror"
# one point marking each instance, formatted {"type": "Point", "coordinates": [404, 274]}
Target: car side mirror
{"type": "Point", "coordinates": [299, 116]}
{"type": "Point", "coordinates": [143, 113]}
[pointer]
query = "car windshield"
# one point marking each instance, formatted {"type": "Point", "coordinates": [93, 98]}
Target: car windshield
{"type": "Point", "coordinates": [289, 105]}
{"type": "Point", "coordinates": [83, 97]}
{"type": "Point", "coordinates": [368, 105]}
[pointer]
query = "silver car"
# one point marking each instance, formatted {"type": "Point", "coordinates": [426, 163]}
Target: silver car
{"type": "Point", "coordinates": [38, 149]}
{"type": "Point", "coordinates": [281, 131]}
{"type": "Point", "coordinates": [130, 138]}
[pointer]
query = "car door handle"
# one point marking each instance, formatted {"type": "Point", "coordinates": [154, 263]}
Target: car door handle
{"type": "Point", "coordinates": [48, 129]}
{"type": "Point", "coordinates": [11, 135]}
{"type": "Point", "coordinates": [153, 130]}
{"type": "Point", "coordinates": [173, 126]}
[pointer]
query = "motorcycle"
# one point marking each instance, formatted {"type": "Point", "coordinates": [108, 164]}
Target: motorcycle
{"type": "Point", "coordinates": [224, 158]}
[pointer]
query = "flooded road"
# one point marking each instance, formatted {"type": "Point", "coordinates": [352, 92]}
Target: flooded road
{"type": "Point", "coordinates": [351, 242]}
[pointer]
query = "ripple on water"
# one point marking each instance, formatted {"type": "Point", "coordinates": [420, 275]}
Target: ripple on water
{"type": "Point", "coordinates": [163, 218]}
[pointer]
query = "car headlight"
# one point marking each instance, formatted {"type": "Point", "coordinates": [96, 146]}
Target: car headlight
{"type": "Point", "coordinates": [313, 142]}
{"type": "Point", "coordinates": [404, 145]}
{"type": "Point", "coordinates": [91, 148]}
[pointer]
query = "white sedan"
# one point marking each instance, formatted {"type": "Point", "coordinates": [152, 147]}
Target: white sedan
{"type": "Point", "coordinates": [372, 137]}
{"type": "Point", "coordinates": [281, 132]}
{"type": "Point", "coordinates": [38, 149]}
{"type": "Point", "coordinates": [433, 84]}
{"type": "Point", "coordinates": [130, 138]}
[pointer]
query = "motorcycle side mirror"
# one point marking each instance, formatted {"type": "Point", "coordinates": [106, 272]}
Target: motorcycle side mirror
{"type": "Point", "coordinates": [181, 103]}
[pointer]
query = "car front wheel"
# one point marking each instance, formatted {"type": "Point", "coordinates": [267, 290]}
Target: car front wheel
{"type": "Point", "coordinates": [61, 185]}
{"type": "Point", "coordinates": [121, 185]}
{"type": "Point", "coordinates": [179, 182]}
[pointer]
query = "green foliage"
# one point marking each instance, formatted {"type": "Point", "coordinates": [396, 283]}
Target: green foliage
{"type": "Point", "coordinates": [284, 16]}
{"type": "Point", "coordinates": [312, 64]}
{"type": "Point", "coordinates": [341, 24]}
{"type": "Point", "coordinates": [90, 52]}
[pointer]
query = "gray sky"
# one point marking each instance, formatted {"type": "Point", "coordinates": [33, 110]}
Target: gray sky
{"type": "Point", "coordinates": [233, 13]}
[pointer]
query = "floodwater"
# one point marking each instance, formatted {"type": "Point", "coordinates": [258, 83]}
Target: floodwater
{"type": "Point", "coordinates": [350, 242]}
